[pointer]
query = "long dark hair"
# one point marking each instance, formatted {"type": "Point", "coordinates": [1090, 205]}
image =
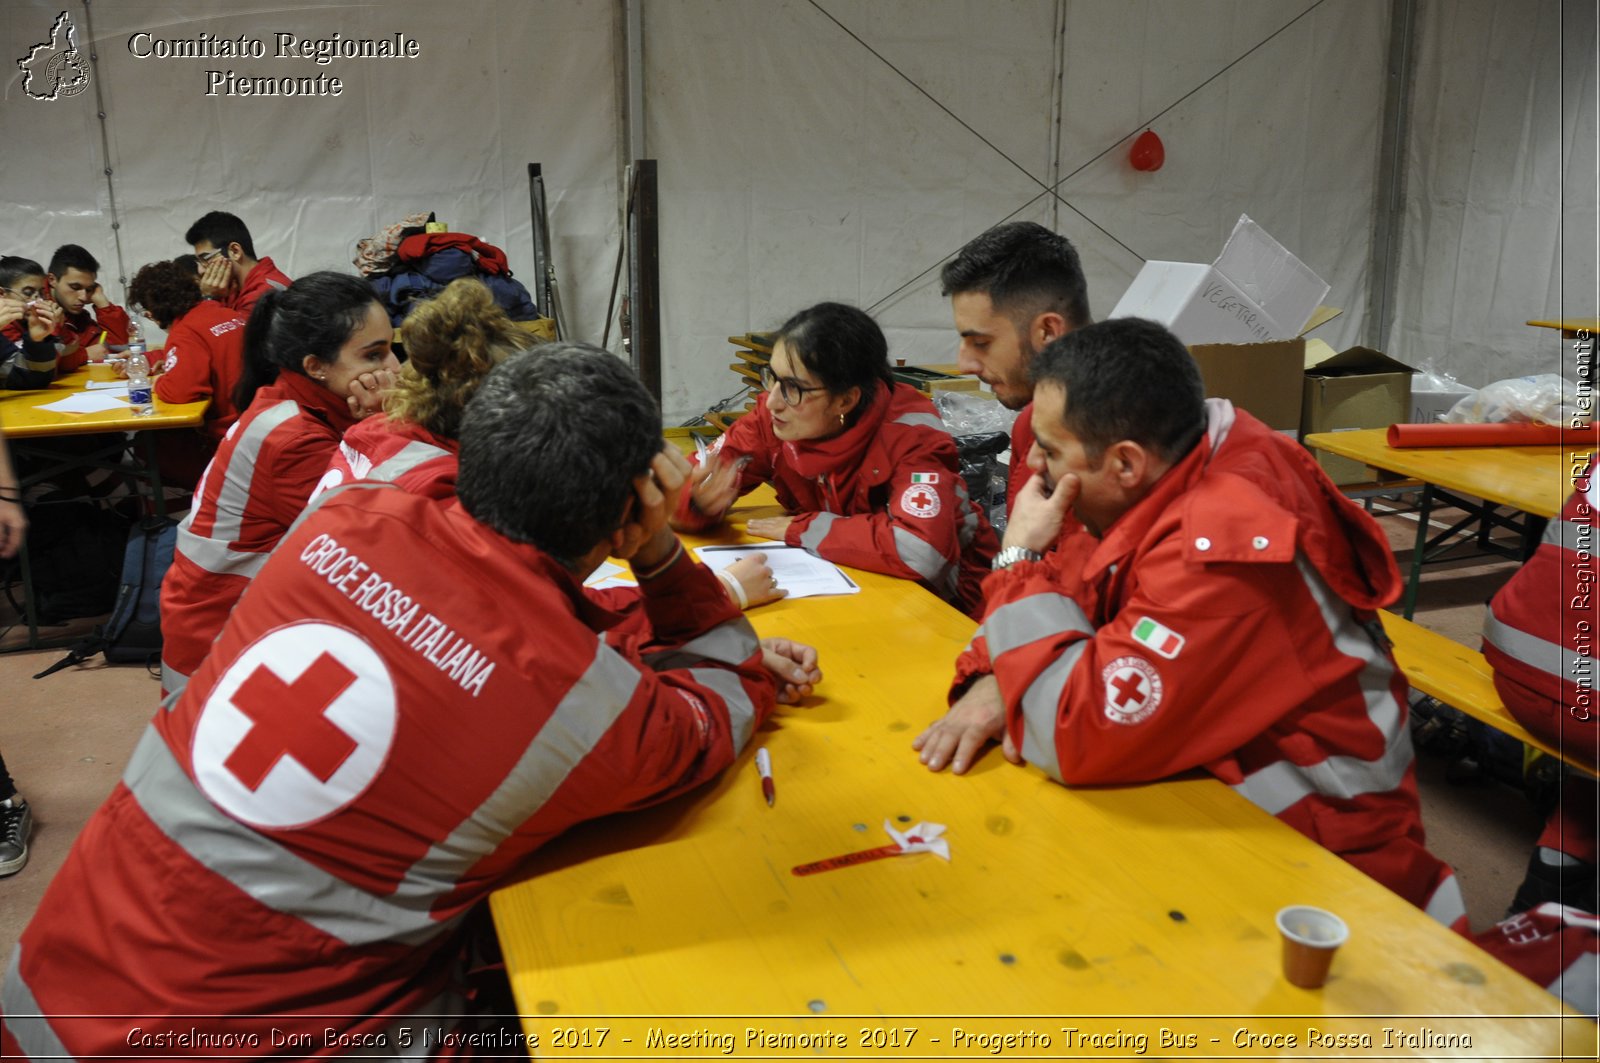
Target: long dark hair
{"type": "Point", "coordinates": [315, 316]}
{"type": "Point", "coordinates": [843, 347]}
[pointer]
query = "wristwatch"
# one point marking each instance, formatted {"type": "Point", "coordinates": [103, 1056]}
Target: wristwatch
{"type": "Point", "coordinates": [1010, 555]}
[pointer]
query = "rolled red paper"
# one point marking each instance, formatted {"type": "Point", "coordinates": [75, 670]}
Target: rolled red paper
{"type": "Point", "coordinates": [1402, 436]}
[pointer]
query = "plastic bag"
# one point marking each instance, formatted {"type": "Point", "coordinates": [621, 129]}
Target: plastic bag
{"type": "Point", "coordinates": [965, 414]}
{"type": "Point", "coordinates": [1542, 399]}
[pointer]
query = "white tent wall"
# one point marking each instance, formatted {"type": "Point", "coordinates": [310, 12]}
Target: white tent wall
{"type": "Point", "coordinates": [796, 166]}
{"type": "Point", "coordinates": [1500, 223]}
{"type": "Point", "coordinates": [498, 84]}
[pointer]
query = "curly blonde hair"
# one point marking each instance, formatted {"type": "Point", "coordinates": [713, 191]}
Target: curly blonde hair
{"type": "Point", "coordinates": [451, 342]}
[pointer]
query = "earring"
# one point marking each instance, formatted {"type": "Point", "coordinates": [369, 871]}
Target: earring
{"type": "Point", "coordinates": [841, 420]}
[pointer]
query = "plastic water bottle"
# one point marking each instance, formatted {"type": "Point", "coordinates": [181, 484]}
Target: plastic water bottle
{"type": "Point", "coordinates": [139, 392]}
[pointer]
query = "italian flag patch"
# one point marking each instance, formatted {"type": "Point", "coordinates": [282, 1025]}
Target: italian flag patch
{"type": "Point", "coordinates": [924, 477]}
{"type": "Point", "coordinates": [1158, 637]}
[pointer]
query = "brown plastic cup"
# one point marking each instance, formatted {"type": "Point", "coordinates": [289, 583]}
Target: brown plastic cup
{"type": "Point", "coordinates": [1310, 938]}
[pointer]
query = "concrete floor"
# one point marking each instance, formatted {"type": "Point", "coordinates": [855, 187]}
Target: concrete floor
{"type": "Point", "coordinates": [65, 740]}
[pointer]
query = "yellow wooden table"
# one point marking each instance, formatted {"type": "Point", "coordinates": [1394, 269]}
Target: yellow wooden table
{"type": "Point", "coordinates": [1528, 480]}
{"type": "Point", "coordinates": [31, 429]}
{"type": "Point", "coordinates": [1117, 912]}
{"type": "Point", "coordinates": [1572, 327]}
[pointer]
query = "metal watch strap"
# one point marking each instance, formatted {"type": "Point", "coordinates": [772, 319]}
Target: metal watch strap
{"type": "Point", "coordinates": [1010, 555]}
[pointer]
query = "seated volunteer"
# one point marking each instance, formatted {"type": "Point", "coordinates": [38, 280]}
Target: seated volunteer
{"type": "Point", "coordinates": [1218, 611]}
{"type": "Point", "coordinates": [29, 361]}
{"type": "Point", "coordinates": [863, 465]}
{"type": "Point", "coordinates": [1539, 638]}
{"type": "Point", "coordinates": [415, 696]}
{"type": "Point", "coordinates": [229, 270]}
{"type": "Point", "coordinates": [75, 287]}
{"type": "Point", "coordinates": [203, 359]}
{"type": "Point", "coordinates": [306, 351]}
{"type": "Point", "coordinates": [452, 341]}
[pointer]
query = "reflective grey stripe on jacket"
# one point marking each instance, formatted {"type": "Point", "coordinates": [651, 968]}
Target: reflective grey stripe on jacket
{"type": "Point", "coordinates": [923, 420]}
{"type": "Point", "coordinates": [741, 711]}
{"type": "Point", "coordinates": [404, 460]}
{"type": "Point", "coordinates": [1282, 784]}
{"type": "Point", "coordinates": [816, 531]}
{"type": "Point", "coordinates": [1551, 658]}
{"type": "Point", "coordinates": [1026, 620]}
{"type": "Point", "coordinates": [1570, 536]}
{"type": "Point", "coordinates": [173, 682]}
{"type": "Point", "coordinates": [923, 558]}
{"type": "Point", "coordinates": [214, 552]}
{"type": "Point", "coordinates": [284, 882]}
{"type": "Point", "coordinates": [23, 1016]}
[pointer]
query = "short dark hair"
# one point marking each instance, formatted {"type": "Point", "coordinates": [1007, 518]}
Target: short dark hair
{"type": "Point", "coordinates": [843, 346]}
{"type": "Point", "coordinates": [219, 229]}
{"type": "Point", "coordinates": [187, 262]}
{"type": "Point", "coordinates": [71, 256]}
{"type": "Point", "coordinates": [14, 267]}
{"type": "Point", "coordinates": [551, 444]}
{"type": "Point", "coordinates": [1025, 269]}
{"type": "Point", "coordinates": [1126, 378]}
{"type": "Point", "coordinates": [315, 315]}
{"type": "Point", "coordinates": [165, 291]}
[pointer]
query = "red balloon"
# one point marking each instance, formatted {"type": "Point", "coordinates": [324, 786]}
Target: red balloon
{"type": "Point", "coordinates": [1147, 153]}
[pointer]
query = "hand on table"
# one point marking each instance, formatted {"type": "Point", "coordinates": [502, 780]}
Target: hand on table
{"type": "Point", "coordinates": [977, 717]}
{"type": "Point", "coordinates": [793, 665]}
{"type": "Point", "coordinates": [367, 390]}
{"type": "Point", "coordinates": [770, 527]}
{"type": "Point", "coordinates": [755, 577]}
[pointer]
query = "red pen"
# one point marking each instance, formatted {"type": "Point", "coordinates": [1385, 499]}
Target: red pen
{"type": "Point", "coordinates": [764, 766]}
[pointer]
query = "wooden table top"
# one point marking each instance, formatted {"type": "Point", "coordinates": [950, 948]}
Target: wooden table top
{"type": "Point", "coordinates": [1136, 904]}
{"type": "Point", "coordinates": [21, 418]}
{"type": "Point", "coordinates": [1534, 480]}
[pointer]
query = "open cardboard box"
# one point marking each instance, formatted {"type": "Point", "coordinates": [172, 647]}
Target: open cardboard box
{"type": "Point", "coordinates": [1243, 318]}
{"type": "Point", "coordinates": [1356, 388]}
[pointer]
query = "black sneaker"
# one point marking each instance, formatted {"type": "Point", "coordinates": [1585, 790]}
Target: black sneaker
{"type": "Point", "coordinates": [1572, 884]}
{"type": "Point", "coordinates": [16, 823]}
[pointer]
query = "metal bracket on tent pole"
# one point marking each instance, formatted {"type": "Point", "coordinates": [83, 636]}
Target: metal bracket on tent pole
{"type": "Point", "coordinates": [546, 294]}
{"type": "Point", "coordinates": [643, 322]}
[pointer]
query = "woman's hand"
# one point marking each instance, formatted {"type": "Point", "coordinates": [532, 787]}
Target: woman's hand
{"type": "Point", "coordinates": [755, 578]}
{"type": "Point", "coordinates": [714, 487]}
{"type": "Point", "coordinates": [770, 527]}
{"type": "Point", "coordinates": [367, 390]}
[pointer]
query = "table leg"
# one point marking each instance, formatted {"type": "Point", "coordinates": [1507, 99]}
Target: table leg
{"type": "Point", "coordinates": [1418, 550]}
{"type": "Point", "coordinates": [158, 496]}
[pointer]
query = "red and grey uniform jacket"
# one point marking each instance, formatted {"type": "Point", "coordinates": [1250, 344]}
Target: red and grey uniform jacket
{"type": "Point", "coordinates": [886, 495]}
{"type": "Point", "coordinates": [395, 451]}
{"type": "Point", "coordinates": [1226, 622]}
{"type": "Point", "coordinates": [254, 488]}
{"type": "Point", "coordinates": [262, 277]}
{"type": "Point", "coordinates": [80, 331]}
{"type": "Point", "coordinates": [1539, 634]}
{"type": "Point", "coordinates": [402, 711]}
{"type": "Point", "coordinates": [204, 359]}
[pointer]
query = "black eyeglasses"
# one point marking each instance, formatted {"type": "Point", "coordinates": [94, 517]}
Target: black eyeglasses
{"type": "Point", "coordinates": [207, 256]}
{"type": "Point", "coordinates": [792, 391]}
{"type": "Point", "coordinates": [23, 293]}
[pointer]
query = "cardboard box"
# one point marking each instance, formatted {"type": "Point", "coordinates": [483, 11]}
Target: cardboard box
{"type": "Point", "coordinates": [1356, 388]}
{"type": "Point", "coordinates": [1255, 292]}
{"type": "Point", "coordinates": [1264, 378]}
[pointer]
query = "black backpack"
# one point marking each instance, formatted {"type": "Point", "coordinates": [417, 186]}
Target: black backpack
{"type": "Point", "coordinates": [74, 559]}
{"type": "Point", "coordinates": [132, 635]}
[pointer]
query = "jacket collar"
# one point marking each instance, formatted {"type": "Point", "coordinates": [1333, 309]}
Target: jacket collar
{"type": "Point", "coordinates": [813, 457]}
{"type": "Point", "coordinates": [312, 397]}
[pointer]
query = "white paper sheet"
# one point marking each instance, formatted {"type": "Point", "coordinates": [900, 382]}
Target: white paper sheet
{"type": "Point", "coordinates": [88, 402]}
{"type": "Point", "coordinates": [107, 385]}
{"type": "Point", "coordinates": [609, 575]}
{"type": "Point", "coordinates": [799, 573]}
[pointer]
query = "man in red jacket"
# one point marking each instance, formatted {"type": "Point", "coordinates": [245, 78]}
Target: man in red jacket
{"type": "Point", "coordinates": [229, 270]}
{"type": "Point", "coordinates": [1013, 289]}
{"type": "Point", "coordinates": [1217, 609]}
{"type": "Point", "coordinates": [414, 696]}
{"type": "Point", "coordinates": [75, 286]}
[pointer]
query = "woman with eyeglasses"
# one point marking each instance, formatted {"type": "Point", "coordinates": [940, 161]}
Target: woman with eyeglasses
{"type": "Point", "coordinates": [316, 360]}
{"type": "Point", "coordinates": [865, 469]}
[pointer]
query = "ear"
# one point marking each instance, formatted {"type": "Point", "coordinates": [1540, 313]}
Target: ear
{"type": "Point", "coordinates": [314, 367]}
{"type": "Point", "coordinates": [233, 252]}
{"type": "Point", "coordinates": [1129, 464]}
{"type": "Point", "coordinates": [848, 400]}
{"type": "Point", "coordinates": [1046, 327]}
{"type": "Point", "coordinates": [50, 281]}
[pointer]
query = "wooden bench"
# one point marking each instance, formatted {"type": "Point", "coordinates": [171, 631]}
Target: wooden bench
{"type": "Point", "coordinates": [1460, 677]}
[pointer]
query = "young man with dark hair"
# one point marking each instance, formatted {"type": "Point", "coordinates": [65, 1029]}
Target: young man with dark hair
{"type": "Point", "coordinates": [28, 324]}
{"type": "Point", "coordinates": [1217, 610]}
{"type": "Point", "coordinates": [74, 285]}
{"type": "Point", "coordinates": [229, 270]}
{"type": "Point", "coordinates": [415, 696]}
{"type": "Point", "coordinates": [1013, 289]}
